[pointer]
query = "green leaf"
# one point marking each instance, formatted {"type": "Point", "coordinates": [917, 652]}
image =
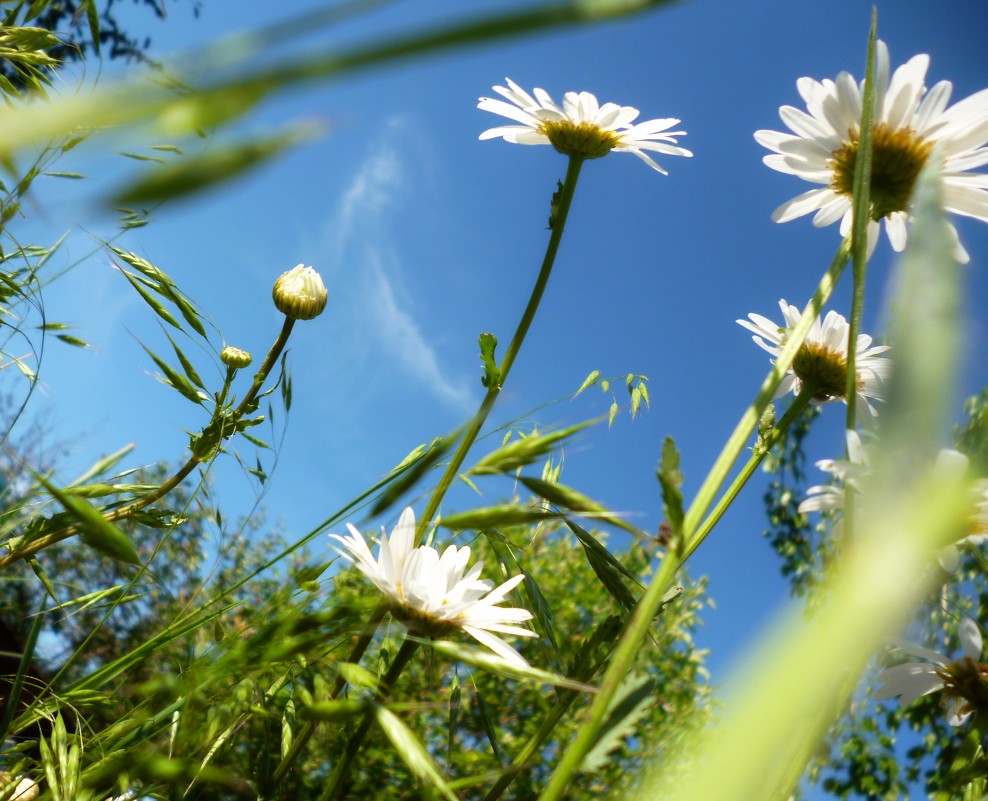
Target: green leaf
{"type": "Point", "coordinates": [412, 468]}
{"type": "Point", "coordinates": [187, 366]}
{"type": "Point", "coordinates": [670, 479]}
{"type": "Point", "coordinates": [94, 529]}
{"type": "Point", "coordinates": [411, 751]}
{"type": "Point", "coordinates": [194, 173]}
{"type": "Point", "coordinates": [568, 498]}
{"type": "Point", "coordinates": [494, 517]}
{"type": "Point", "coordinates": [159, 309]}
{"type": "Point", "coordinates": [334, 711]}
{"type": "Point", "coordinates": [175, 380]}
{"type": "Point", "coordinates": [520, 452]}
{"type": "Point", "coordinates": [606, 567]}
{"type": "Point", "coordinates": [627, 708]}
{"type": "Point", "coordinates": [68, 339]}
{"type": "Point", "coordinates": [492, 375]}
{"type": "Point", "coordinates": [612, 413]}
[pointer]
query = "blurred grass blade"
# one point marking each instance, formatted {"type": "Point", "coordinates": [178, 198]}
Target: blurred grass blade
{"type": "Point", "coordinates": [781, 704]}
{"type": "Point", "coordinates": [411, 751]}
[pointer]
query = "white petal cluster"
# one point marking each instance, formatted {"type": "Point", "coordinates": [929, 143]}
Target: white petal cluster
{"type": "Point", "coordinates": [425, 585]}
{"type": "Point", "coordinates": [913, 680]}
{"type": "Point", "coordinates": [581, 126]}
{"type": "Point", "coordinates": [829, 340]}
{"type": "Point", "coordinates": [849, 473]}
{"type": "Point", "coordinates": [907, 119]}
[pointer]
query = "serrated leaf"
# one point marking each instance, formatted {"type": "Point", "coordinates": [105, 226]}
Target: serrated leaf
{"type": "Point", "coordinates": [636, 402]}
{"type": "Point", "coordinates": [492, 375]}
{"type": "Point", "coordinates": [627, 708]}
{"type": "Point", "coordinates": [670, 479]}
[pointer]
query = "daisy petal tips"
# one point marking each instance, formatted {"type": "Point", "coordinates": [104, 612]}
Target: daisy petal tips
{"type": "Point", "coordinates": [434, 593]}
{"type": "Point", "coordinates": [910, 124]}
{"type": "Point", "coordinates": [963, 682]}
{"type": "Point", "coordinates": [821, 360]}
{"type": "Point", "coordinates": [581, 127]}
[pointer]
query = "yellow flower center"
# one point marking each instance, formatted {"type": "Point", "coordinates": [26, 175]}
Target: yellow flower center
{"type": "Point", "coordinates": [584, 139]}
{"type": "Point", "coordinates": [898, 155]}
{"type": "Point", "coordinates": [966, 679]}
{"type": "Point", "coordinates": [818, 366]}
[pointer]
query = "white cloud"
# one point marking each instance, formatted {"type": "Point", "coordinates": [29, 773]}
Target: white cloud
{"type": "Point", "coordinates": [367, 266]}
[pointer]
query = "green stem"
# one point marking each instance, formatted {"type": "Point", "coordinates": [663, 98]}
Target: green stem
{"type": "Point", "coordinates": [742, 432]}
{"type": "Point", "coordinates": [310, 726]}
{"type": "Point", "coordinates": [174, 480]}
{"type": "Point", "coordinates": [624, 655]}
{"type": "Point", "coordinates": [561, 212]}
{"type": "Point", "coordinates": [335, 786]}
{"type": "Point", "coordinates": [862, 219]}
{"type": "Point", "coordinates": [648, 605]}
{"type": "Point", "coordinates": [760, 451]}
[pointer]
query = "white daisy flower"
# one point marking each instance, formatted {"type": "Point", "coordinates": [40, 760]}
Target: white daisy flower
{"type": "Point", "coordinates": [433, 594]}
{"type": "Point", "coordinates": [848, 473]}
{"type": "Point", "coordinates": [963, 681]}
{"type": "Point", "coordinates": [909, 122]}
{"type": "Point", "coordinates": [822, 358]}
{"type": "Point", "coordinates": [581, 127]}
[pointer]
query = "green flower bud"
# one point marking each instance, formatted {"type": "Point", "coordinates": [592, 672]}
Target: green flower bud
{"type": "Point", "coordinates": [300, 293]}
{"type": "Point", "coordinates": [235, 357]}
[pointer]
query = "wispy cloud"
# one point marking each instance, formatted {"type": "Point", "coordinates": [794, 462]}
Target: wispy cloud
{"type": "Point", "coordinates": [360, 234]}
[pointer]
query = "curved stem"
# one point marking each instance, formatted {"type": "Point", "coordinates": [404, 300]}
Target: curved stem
{"type": "Point", "coordinates": [334, 787]}
{"type": "Point", "coordinates": [746, 425]}
{"type": "Point", "coordinates": [648, 605]}
{"type": "Point", "coordinates": [560, 213]}
{"type": "Point", "coordinates": [176, 478]}
{"type": "Point", "coordinates": [760, 451]}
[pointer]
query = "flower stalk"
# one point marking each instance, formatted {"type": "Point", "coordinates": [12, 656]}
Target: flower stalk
{"type": "Point", "coordinates": [561, 212]}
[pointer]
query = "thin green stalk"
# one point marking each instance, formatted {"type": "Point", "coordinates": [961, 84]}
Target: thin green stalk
{"type": "Point", "coordinates": [862, 219]}
{"type": "Point", "coordinates": [760, 451]}
{"type": "Point", "coordinates": [561, 212]}
{"type": "Point", "coordinates": [335, 786]}
{"type": "Point", "coordinates": [742, 432]}
{"type": "Point", "coordinates": [648, 605]}
{"type": "Point", "coordinates": [624, 655]}
{"type": "Point", "coordinates": [175, 479]}
{"type": "Point", "coordinates": [305, 734]}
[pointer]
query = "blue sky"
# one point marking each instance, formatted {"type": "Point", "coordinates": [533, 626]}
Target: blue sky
{"type": "Point", "coordinates": [426, 236]}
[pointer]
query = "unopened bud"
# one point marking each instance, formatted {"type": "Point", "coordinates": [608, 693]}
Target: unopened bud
{"type": "Point", "coordinates": [235, 357]}
{"type": "Point", "coordinates": [300, 293]}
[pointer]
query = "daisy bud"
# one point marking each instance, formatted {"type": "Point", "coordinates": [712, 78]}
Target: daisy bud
{"type": "Point", "coordinates": [235, 357]}
{"type": "Point", "coordinates": [300, 293]}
